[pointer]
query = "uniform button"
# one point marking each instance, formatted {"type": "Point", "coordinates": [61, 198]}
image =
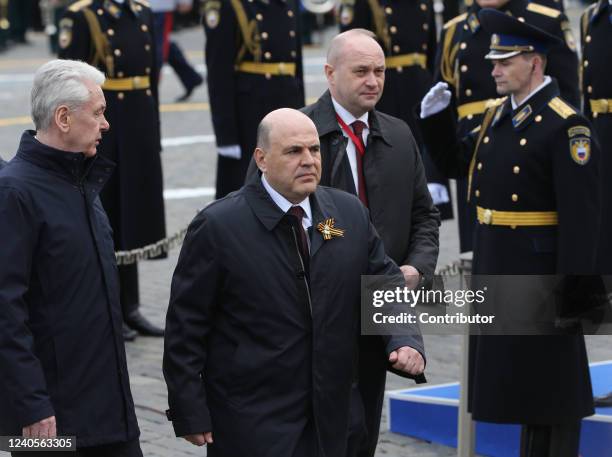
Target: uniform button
{"type": "Point", "coordinates": [522, 19]}
{"type": "Point", "coordinates": [389, 10]}
{"type": "Point", "coordinates": [424, 47]}
{"type": "Point", "coordinates": [120, 95]}
{"type": "Point", "coordinates": [144, 28]}
{"type": "Point", "coordinates": [590, 89]}
{"type": "Point", "coordinates": [595, 115]}
{"type": "Point", "coordinates": [290, 13]}
{"type": "Point", "coordinates": [538, 118]}
{"type": "Point", "coordinates": [485, 139]}
{"type": "Point", "coordinates": [147, 47]}
{"type": "Point", "coordinates": [148, 70]}
{"type": "Point", "coordinates": [264, 35]}
{"type": "Point", "coordinates": [423, 7]}
{"type": "Point", "coordinates": [516, 170]}
{"type": "Point", "coordinates": [425, 26]}
{"type": "Point", "coordinates": [293, 54]}
{"type": "Point", "coordinates": [465, 27]}
{"type": "Point", "coordinates": [464, 68]}
{"type": "Point", "coordinates": [400, 69]}
{"type": "Point", "coordinates": [149, 93]}
{"type": "Point", "coordinates": [586, 63]}
{"type": "Point", "coordinates": [120, 74]}
{"type": "Point", "coordinates": [268, 76]}
{"type": "Point", "coordinates": [259, 17]}
{"type": "Point", "coordinates": [470, 117]}
{"type": "Point", "coordinates": [267, 55]}
{"type": "Point", "coordinates": [110, 32]}
{"type": "Point", "coordinates": [468, 92]}
{"type": "Point", "coordinates": [393, 29]}
{"type": "Point", "coordinates": [477, 193]}
{"type": "Point", "coordinates": [100, 11]}
{"type": "Point", "coordinates": [396, 48]}
{"type": "Point", "coordinates": [479, 165]}
{"type": "Point", "coordinates": [117, 52]}
{"type": "Point", "coordinates": [463, 45]}
{"type": "Point", "coordinates": [291, 33]}
{"type": "Point", "coordinates": [588, 38]}
{"type": "Point", "coordinates": [514, 198]}
{"type": "Point", "coordinates": [523, 141]}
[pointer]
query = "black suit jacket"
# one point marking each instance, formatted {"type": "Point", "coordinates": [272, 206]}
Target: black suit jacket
{"type": "Point", "coordinates": [253, 351]}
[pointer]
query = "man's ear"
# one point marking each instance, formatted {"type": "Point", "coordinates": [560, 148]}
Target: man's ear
{"type": "Point", "coordinates": [329, 73]}
{"type": "Point", "coordinates": [260, 159]}
{"type": "Point", "coordinates": [62, 118]}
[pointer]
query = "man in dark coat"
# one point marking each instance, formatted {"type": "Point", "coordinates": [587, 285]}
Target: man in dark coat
{"type": "Point", "coordinates": [533, 173]}
{"type": "Point", "coordinates": [263, 321]}
{"type": "Point", "coordinates": [116, 37]}
{"type": "Point", "coordinates": [406, 31]}
{"type": "Point", "coordinates": [62, 355]}
{"type": "Point", "coordinates": [596, 68]}
{"type": "Point", "coordinates": [254, 63]}
{"type": "Point", "coordinates": [461, 64]}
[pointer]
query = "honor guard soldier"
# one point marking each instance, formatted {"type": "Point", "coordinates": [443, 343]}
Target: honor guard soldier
{"type": "Point", "coordinates": [460, 63]}
{"type": "Point", "coordinates": [533, 171]}
{"type": "Point", "coordinates": [254, 62]}
{"type": "Point", "coordinates": [4, 24]}
{"type": "Point", "coordinates": [406, 30]}
{"type": "Point", "coordinates": [116, 37]}
{"type": "Point", "coordinates": [596, 71]}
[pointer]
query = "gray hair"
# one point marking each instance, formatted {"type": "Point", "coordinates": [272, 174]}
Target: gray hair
{"type": "Point", "coordinates": [57, 83]}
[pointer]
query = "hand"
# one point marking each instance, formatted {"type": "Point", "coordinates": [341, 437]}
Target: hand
{"type": "Point", "coordinates": [411, 276]}
{"type": "Point", "coordinates": [233, 151]}
{"type": "Point", "coordinates": [436, 100]}
{"type": "Point", "coordinates": [200, 439]}
{"type": "Point", "coordinates": [41, 429]}
{"type": "Point", "coordinates": [408, 360]}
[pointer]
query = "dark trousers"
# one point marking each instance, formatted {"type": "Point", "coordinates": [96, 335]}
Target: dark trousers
{"type": "Point", "coordinates": [186, 73]}
{"type": "Point", "coordinates": [129, 449]}
{"type": "Point", "coordinates": [128, 284]}
{"type": "Point", "coordinates": [559, 440]}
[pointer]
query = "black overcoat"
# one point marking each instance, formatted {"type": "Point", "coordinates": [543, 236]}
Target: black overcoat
{"type": "Point", "coordinates": [133, 197]}
{"type": "Point", "coordinates": [529, 159]}
{"type": "Point", "coordinates": [252, 350]}
{"type": "Point", "coordinates": [61, 345]}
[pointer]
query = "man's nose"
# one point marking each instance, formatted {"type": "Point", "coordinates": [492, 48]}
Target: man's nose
{"type": "Point", "coordinates": [105, 125]}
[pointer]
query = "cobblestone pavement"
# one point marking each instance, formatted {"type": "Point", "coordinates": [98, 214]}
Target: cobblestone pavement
{"type": "Point", "coordinates": [188, 161]}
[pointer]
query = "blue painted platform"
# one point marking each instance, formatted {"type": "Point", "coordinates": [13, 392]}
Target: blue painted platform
{"type": "Point", "coordinates": [430, 413]}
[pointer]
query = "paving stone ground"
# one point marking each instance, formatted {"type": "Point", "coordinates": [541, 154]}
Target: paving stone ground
{"type": "Point", "coordinates": [191, 166]}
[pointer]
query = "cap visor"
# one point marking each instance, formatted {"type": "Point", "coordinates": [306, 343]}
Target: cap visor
{"type": "Point", "coordinates": [497, 55]}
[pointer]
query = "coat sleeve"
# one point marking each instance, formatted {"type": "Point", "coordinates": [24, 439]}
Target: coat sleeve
{"type": "Point", "coordinates": [424, 232]}
{"type": "Point", "coordinates": [23, 380]}
{"type": "Point", "coordinates": [563, 63]}
{"type": "Point", "coordinates": [188, 322]}
{"type": "Point", "coordinates": [432, 39]}
{"type": "Point", "coordinates": [74, 37]}
{"type": "Point", "coordinates": [354, 14]}
{"type": "Point", "coordinates": [222, 42]}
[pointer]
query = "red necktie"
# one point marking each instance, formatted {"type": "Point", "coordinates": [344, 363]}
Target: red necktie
{"type": "Point", "coordinates": [358, 127]}
{"type": "Point", "coordinates": [298, 213]}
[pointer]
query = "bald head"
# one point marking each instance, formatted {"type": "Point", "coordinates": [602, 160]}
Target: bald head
{"type": "Point", "coordinates": [288, 153]}
{"type": "Point", "coordinates": [354, 37]}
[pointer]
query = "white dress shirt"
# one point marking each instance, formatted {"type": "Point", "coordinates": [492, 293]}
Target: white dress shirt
{"type": "Point", "coordinates": [285, 204]}
{"type": "Point", "coordinates": [351, 152]}
{"type": "Point", "coordinates": [547, 81]}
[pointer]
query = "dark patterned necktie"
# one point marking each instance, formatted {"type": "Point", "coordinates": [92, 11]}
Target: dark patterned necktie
{"type": "Point", "coordinates": [298, 213]}
{"type": "Point", "coordinates": [358, 127]}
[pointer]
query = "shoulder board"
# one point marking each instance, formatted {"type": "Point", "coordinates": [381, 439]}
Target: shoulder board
{"type": "Point", "coordinates": [494, 103]}
{"type": "Point", "coordinates": [455, 20]}
{"type": "Point", "coordinates": [143, 3]}
{"type": "Point", "coordinates": [78, 6]}
{"type": "Point", "coordinates": [544, 10]}
{"type": "Point", "coordinates": [561, 108]}
{"type": "Point", "coordinates": [590, 10]}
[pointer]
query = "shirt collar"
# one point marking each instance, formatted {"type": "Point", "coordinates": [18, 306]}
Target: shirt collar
{"type": "Point", "coordinates": [285, 204]}
{"type": "Point", "coordinates": [547, 81]}
{"type": "Point", "coordinates": [347, 117]}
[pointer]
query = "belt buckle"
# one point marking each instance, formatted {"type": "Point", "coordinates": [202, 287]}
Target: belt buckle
{"type": "Point", "coordinates": [487, 216]}
{"type": "Point", "coordinates": [136, 82]}
{"type": "Point", "coordinates": [605, 105]}
{"type": "Point", "coordinates": [281, 68]}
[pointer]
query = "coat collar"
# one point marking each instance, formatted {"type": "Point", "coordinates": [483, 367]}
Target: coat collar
{"type": "Point", "coordinates": [601, 8]}
{"type": "Point", "coordinates": [115, 9]}
{"type": "Point", "coordinates": [270, 215]}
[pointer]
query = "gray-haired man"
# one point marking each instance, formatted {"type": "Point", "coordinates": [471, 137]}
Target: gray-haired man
{"type": "Point", "coordinates": [62, 356]}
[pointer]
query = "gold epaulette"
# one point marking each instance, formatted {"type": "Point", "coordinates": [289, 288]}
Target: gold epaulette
{"type": "Point", "coordinates": [561, 108]}
{"type": "Point", "coordinates": [78, 6]}
{"type": "Point", "coordinates": [455, 20]}
{"type": "Point", "coordinates": [544, 10]}
{"type": "Point", "coordinates": [143, 3]}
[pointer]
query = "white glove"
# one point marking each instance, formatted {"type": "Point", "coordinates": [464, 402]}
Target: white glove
{"type": "Point", "coordinates": [231, 152]}
{"type": "Point", "coordinates": [438, 192]}
{"type": "Point", "coordinates": [437, 99]}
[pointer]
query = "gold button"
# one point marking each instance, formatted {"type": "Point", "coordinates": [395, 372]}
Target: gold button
{"type": "Point", "coordinates": [463, 45]}
{"type": "Point", "coordinates": [523, 141]}
{"type": "Point", "coordinates": [477, 193]}
{"type": "Point", "coordinates": [264, 35]}
{"type": "Point", "coordinates": [588, 38]}
{"type": "Point", "coordinates": [590, 89]}
{"type": "Point", "coordinates": [144, 28]}
{"type": "Point", "coordinates": [396, 48]}
{"type": "Point", "coordinates": [516, 170]}
{"type": "Point", "coordinates": [120, 95]}
{"type": "Point", "coordinates": [388, 10]}
{"type": "Point", "coordinates": [117, 52]}
{"type": "Point", "coordinates": [464, 68]}
{"type": "Point", "coordinates": [514, 197]}
{"type": "Point", "coordinates": [267, 55]}
{"type": "Point", "coordinates": [595, 115]}
{"type": "Point", "coordinates": [479, 165]}
{"type": "Point", "coordinates": [259, 17]}
{"type": "Point", "coordinates": [586, 63]}
{"type": "Point", "coordinates": [400, 69]}
{"type": "Point", "coordinates": [485, 139]}
{"type": "Point", "coordinates": [470, 117]}
{"type": "Point", "coordinates": [424, 47]}
{"type": "Point", "coordinates": [425, 26]}
{"type": "Point", "coordinates": [522, 19]}
{"type": "Point", "coordinates": [268, 76]}
{"type": "Point", "coordinates": [120, 74]}
{"type": "Point", "coordinates": [290, 13]}
{"type": "Point", "coordinates": [538, 118]}
{"type": "Point", "coordinates": [293, 54]}
{"type": "Point", "coordinates": [465, 27]}
{"type": "Point", "coordinates": [110, 32]}
{"type": "Point", "coordinates": [148, 70]}
{"type": "Point", "coordinates": [100, 11]}
{"type": "Point", "coordinates": [468, 92]}
{"type": "Point", "coordinates": [423, 7]}
{"type": "Point", "coordinates": [291, 33]}
{"type": "Point", "coordinates": [149, 93]}
{"type": "Point", "coordinates": [393, 29]}
{"type": "Point", "coordinates": [147, 47]}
